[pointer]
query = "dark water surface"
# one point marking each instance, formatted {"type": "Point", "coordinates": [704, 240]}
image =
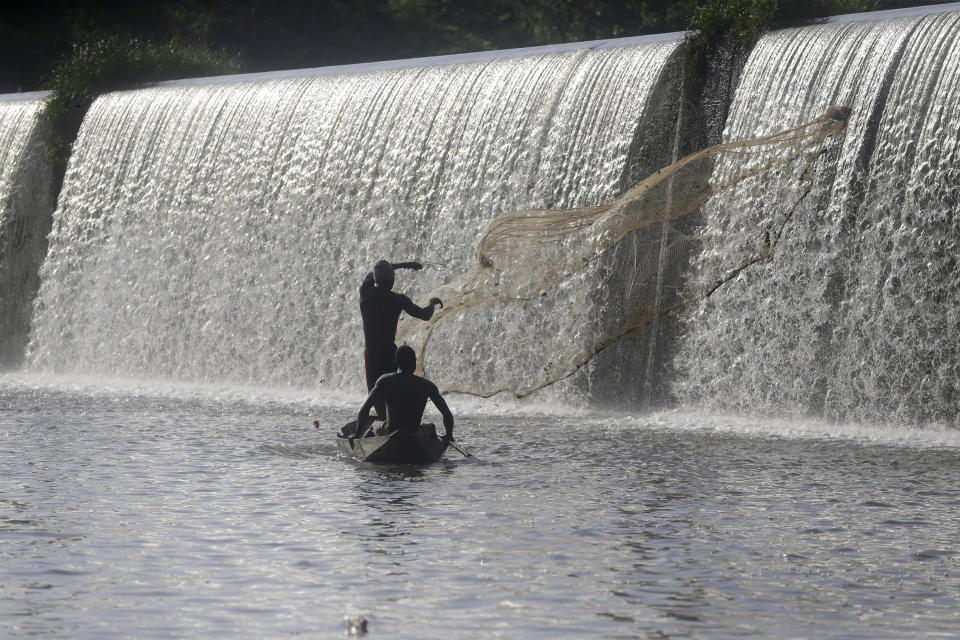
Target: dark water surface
{"type": "Point", "coordinates": [139, 516]}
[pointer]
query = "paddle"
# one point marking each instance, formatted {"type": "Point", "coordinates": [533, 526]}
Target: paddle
{"type": "Point", "coordinates": [466, 454]}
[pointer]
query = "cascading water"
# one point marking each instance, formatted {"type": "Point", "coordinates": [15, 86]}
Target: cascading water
{"type": "Point", "coordinates": [856, 314]}
{"type": "Point", "coordinates": [219, 231]}
{"type": "Point", "coordinates": [26, 201]}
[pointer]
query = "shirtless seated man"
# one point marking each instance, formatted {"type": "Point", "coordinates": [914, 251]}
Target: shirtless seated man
{"type": "Point", "coordinates": [405, 395]}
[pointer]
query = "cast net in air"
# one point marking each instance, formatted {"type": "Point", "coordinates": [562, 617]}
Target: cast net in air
{"type": "Point", "coordinates": [523, 255]}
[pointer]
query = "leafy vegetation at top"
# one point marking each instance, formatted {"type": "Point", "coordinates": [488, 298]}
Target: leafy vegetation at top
{"type": "Point", "coordinates": [307, 33]}
{"type": "Point", "coordinates": [114, 63]}
{"type": "Point", "coordinates": [84, 47]}
{"type": "Point", "coordinates": [738, 24]}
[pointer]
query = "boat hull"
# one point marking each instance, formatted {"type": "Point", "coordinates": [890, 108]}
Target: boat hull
{"type": "Point", "coordinates": [399, 447]}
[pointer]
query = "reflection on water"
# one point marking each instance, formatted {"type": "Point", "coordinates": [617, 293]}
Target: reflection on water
{"type": "Point", "coordinates": [138, 516]}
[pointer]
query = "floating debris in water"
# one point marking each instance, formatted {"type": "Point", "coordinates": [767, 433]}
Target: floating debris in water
{"type": "Point", "coordinates": [356, 625]}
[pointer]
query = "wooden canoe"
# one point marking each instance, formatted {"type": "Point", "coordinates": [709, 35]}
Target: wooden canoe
{"type": "Point", "coordinates": [400, 447]}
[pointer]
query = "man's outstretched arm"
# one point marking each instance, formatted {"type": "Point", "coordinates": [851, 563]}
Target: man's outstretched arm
{"type": "Point", "coordinates": [422, 313]}
{"type": "Point", "coordinates": [416, 266]}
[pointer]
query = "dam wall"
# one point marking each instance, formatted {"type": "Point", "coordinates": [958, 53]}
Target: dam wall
{"type": "Point", "coordinates": [217, 229]}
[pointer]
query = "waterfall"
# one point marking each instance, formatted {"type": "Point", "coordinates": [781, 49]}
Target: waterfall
{"type": "Point", "coordinates": [856, 317]}
{"type": "Point", "coordinates": [25, 204]}
{"type": "Point", "coordinates": [218, 231]}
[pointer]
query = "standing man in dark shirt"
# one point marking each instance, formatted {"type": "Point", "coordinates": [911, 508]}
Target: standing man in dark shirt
{"type": "Point", "coordinates": [380, 308]}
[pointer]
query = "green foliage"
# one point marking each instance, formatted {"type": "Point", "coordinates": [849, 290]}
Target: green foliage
{"type": "Point", "coordinates": [738, 24]}
{"type": "Point", "coordinates": [311, 33]}
{"type": "Point", "coordinates": [475, 25]}
{"type": "Point", "coordinates": [111, 64]}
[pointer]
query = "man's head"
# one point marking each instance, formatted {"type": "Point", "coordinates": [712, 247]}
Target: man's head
{"type": "Point", "coordinates": [406, 359]}
{"type": "Point", "coordinates": [383, 274]}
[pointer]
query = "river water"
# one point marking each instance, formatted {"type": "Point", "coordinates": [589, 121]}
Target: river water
{"type": "Point", "coordinates": [155, 512]}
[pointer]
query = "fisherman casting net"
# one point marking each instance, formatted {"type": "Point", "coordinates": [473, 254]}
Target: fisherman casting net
{"type": "Point", "coordinates": [530, 256]}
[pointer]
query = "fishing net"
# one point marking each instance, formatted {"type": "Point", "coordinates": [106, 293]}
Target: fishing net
{"type": "Point", "coordinates": [523, 255]}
